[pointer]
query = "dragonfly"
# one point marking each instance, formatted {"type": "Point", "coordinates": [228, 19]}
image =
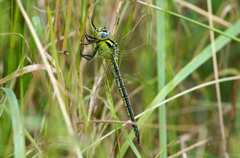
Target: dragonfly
{"type": "Point", "coordinates": [110, 50]}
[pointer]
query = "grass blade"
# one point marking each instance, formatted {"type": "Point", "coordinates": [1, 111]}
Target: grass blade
{"type": "Point", "coordinates": [18, 136]}
{"type": "Point", "coordinates": [161, 57]}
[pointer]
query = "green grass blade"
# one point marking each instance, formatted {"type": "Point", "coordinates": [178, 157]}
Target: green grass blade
{"type": "Point", "coordinates": [37, 26]}
{"type": "Point", "coordinates": [129, 140]}
{"type": "Point", "coordinates": [161, 57]}
{"type": "Point", "coordinates": [70, 4]}
{"type": "Point", "coordinates": [206, 153]}
{"type": "Point", "coordinates": [27, 134]}
{"type": "Point", "coordinates": [18, 136]}
{"type": "Point", "coordinates": [110, 102]}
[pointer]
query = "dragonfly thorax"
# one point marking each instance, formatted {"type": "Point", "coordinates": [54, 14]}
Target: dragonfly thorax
{"type": "Point", "coordinates": [102, 33]}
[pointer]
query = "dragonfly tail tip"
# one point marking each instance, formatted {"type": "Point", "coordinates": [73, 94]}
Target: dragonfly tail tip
{"type": "Point", "coordinates": [138, 139]}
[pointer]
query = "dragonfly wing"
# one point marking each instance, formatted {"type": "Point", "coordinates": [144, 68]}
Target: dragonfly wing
{"type": "Point", "coordinates": [131, 61]}
{"type": "Point", "coordinates": [137, 34]}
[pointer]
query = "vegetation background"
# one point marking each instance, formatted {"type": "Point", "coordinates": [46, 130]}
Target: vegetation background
{"type": "Point", "coordinates": [180, 66]}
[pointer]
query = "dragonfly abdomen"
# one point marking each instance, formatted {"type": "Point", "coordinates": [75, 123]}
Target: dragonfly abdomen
{"type": "Point", "coordinates": [124, 95]}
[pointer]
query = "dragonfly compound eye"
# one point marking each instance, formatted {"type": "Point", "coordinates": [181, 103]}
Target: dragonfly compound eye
{"type": "Point", "coordinates": [103, 35]}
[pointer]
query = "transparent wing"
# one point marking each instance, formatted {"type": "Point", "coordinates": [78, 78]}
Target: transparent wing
{"type": "Point", "coordinates": [135, 45]}
{"type": "Point", "coordinates": [137, 35]}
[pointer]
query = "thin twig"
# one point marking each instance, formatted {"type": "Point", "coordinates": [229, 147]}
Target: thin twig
{"type": "Point", "coordinates": [188, 91]}
{"type": "Point", "coordinates": [183, 128]}
{"type": "Point", "coordinates": [214, 58]}
{"type": "Point", "coordinates": [117, 17]}
{"type": "Point", "coordinates": [203, 12]}
{"type": "Point", "coordinates": [26, 69]}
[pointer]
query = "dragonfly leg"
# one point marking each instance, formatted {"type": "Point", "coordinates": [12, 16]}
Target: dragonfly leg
{"type": "Point", "coordinates": [89, 57]}
{"type": "Point", "coordinates": [87, 35]}
{"type": "Point", "coordinates": [89, 41]}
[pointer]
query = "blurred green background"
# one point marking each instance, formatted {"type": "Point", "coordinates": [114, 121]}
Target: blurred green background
{"type": "Point", "coordinates": [164, 55]}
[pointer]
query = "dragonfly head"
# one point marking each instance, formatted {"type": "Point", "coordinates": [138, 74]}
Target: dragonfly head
{"type": "Point", "coordinates": [102, 33]}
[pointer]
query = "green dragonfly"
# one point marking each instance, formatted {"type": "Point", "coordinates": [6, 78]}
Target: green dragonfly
{"type": "Point", "coordinates": [110, 50]}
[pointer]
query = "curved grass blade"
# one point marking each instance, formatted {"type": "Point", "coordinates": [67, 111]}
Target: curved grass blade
{"type": "Point", "coordinates": [18, 136]}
